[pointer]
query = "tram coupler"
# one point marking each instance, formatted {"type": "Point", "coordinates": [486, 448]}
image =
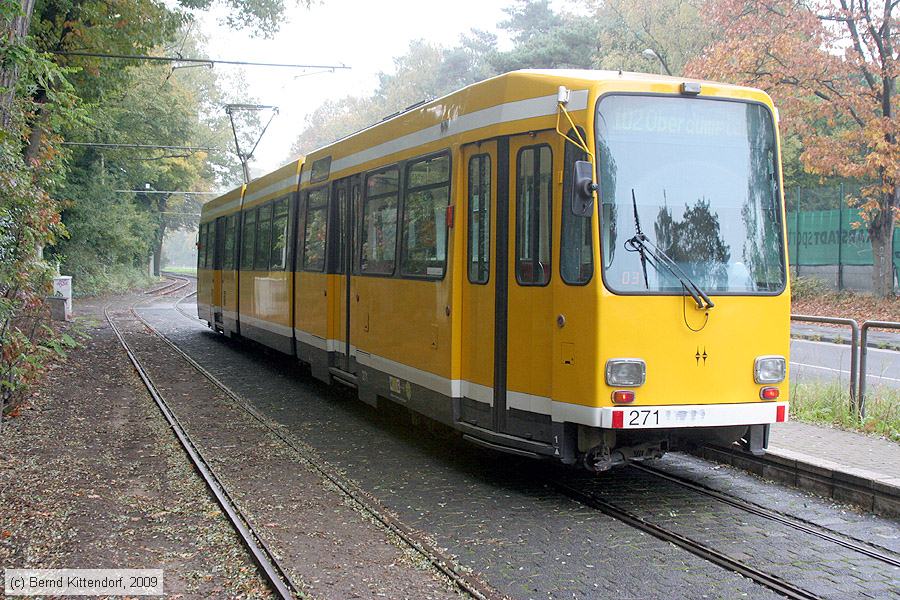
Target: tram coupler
{"type": "Point", "coordinates": [601, 458]}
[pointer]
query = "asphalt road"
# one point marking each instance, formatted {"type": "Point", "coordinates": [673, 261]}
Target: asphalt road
{"type": "Point", "coordinates": [824, 361]}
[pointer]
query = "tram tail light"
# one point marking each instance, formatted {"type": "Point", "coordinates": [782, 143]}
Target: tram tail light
{"type": "Point", "coordinates": [769, 393]}
{"type": "Point", "coordinates": [623, 397]}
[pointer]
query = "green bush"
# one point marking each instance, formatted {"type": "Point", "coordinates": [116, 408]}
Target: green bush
{"type": "Point", "coordinates": [808, 287]}
{"type": "Point", "coordinates": [108, 279]}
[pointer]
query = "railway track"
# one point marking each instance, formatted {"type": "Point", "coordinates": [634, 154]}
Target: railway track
{"type": "Point", "coordinates": [179, 282]}
{"type": "Point", "coordinates": [714, 555]}
{"type": "Point", "coordinates": [593, 500]}
{"type": "Point", "coordinates": [467, 582]}
{"type": "Point", "coordinates": [873, 551]}
{"type": "Point", "coordinates": [705, 552]}
{"type": "Point", "coordinates": [280, 582]}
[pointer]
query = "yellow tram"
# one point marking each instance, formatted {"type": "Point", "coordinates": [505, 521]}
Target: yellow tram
{"type": "Point", "coordinates": [584, 265]}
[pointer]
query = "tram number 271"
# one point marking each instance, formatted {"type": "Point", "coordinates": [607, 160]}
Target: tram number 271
{"type": "Point", "coordinates": [638, 418]}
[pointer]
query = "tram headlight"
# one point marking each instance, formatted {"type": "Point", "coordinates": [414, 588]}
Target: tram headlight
{"type": "Point", "coordinates": [769, 369]}
{"type": "Point", "coordinates": [625, 372]}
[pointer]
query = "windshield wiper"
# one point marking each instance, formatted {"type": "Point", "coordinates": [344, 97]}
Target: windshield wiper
{"type": "Point", "coordinates": [655, 255]}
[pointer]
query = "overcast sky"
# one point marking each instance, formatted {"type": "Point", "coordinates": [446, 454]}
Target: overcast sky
{"type": "Point", "coordinates": [364, 35]}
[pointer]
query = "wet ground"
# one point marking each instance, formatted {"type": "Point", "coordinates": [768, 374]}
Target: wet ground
{"type": "Point", "coordinates": [500, 516]}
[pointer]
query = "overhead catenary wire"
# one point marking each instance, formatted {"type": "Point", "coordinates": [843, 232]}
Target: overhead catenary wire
{"type": "Point", "coordinates": [143, 146]}
{"type": "Point", "coordinates": [166, 192]}
{"type": "Point", "coordinates": [179, 59]}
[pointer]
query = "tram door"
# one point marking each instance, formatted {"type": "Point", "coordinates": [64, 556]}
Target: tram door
{"type": "Point", "coordinates": [346, 208]}
{"type": "Point", "coordinates": [508, 320]}
{"type": "Point", "coordinates": [531, 322]}
{"type": "Point", "coordinates": [478, 215]}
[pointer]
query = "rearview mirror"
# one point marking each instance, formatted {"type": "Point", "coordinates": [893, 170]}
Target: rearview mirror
{"type": "Point", "coordinates": [584, 188]}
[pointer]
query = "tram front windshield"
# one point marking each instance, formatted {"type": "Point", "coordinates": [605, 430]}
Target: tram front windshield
{"type": "Point", "coordinates": [700, 179]}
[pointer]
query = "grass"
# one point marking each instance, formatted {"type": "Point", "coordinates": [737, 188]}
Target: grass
{"type": "Point", "coordinates": [829, 404]}
{"type": "Point", "coordinates": [181, 270]}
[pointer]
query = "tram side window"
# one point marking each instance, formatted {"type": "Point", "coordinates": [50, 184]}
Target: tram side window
{"type": "Point", "coordinates": [576, 261]}
{"type": "Point", "coordinates": [378, 238]}
{"type": "Point", "coordinates": [263, 238]}
{"type": "Point", "coordinates": [248, 240]}
{"type": "Point", "coordinates": [228, 245]}
{"type": "Point", "coordinates": [201, 244]}
{"type": "Point", "coordinates": [479, 218]}
{"type": "Point", "coordinates": [279, 235]}
{"type": "Point", "coordinates": [341, 225]}
{"type": "Point", "coordinates": [210, 245]}
{"type": "Point", "coordinates": [316, 230]}
{"type": "Point", "coordinates": [354, 215]}
{"type": "Point", "coordinates": [425, 217]}
{"type": "Point", "coordinates": [533, 203]}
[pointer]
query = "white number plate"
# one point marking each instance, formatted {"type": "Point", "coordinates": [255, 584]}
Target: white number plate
{"type": "Point", "coordinates": [642, 417]}
{"type": "Point", "coordinates": [696, 415]}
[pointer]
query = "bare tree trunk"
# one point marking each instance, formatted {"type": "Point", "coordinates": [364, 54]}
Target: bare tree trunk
{"type": "Point", "coordinates": [881, 235]}
{"type": "Point", "coordinates": [17, 29]}
{"type": "Point", "coordinates": [157, 257]}
{"type": "Point", "coordinates": [160, 235]}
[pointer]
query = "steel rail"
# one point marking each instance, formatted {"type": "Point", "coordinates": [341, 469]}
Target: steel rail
{"type": "Point", "coordinates": [169, 288]}
{"type": "Point", "coordinates": [183, 283]}
{"type": "Point", "coordinates": [157, 290]}
{"type": "Point", "coordinates": [264, 558]}
{"type": "Point", "coordinates": [768, 580]}
{"type": "Point", "coordinates": [760, 511]}
{"type": "Point", "coordinates": [466, 582]}
{"type": "Point", "coordinates": [181, 311]}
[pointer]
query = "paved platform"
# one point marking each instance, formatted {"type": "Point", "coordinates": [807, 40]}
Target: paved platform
{"type": "Point", "coordinates": [841, 335]}
{"type": "Point", "coordinates": [844, 465]}
{"type": "Point", "coordinates": [846, 448]}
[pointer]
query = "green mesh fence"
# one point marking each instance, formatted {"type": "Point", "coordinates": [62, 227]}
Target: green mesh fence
{"type": "Point", "coordinates": [821, 229]}
{"type": "Point", "coordinates": [828, 237]}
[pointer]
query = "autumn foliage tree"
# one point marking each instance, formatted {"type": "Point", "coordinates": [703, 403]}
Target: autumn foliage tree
{"type": "Point", "coordinates": [831, 66]}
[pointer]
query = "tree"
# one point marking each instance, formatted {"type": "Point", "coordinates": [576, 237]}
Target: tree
{"type": "Point", "coordinates": [424, 72]}
{"type": "Point", "coordinates": [262, 17]}
{"type": "Point", "coordinates": [545, 39]}
{"type": "Point", "coordinates": [16, 17]}
{"type": "Point", "coordinates": [156, 107]}
{"type": "Point", "coordinates": [674, 30]}
{"type": "Point", "coordinates": [831, 67]}
{"type": "Point", "coordinates": [29, 218]}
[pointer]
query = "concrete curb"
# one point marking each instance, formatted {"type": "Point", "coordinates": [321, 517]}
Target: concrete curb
{"type": "Point", "coordinates": [874, 492]}
{"type": "Point", "coordinates": [837, 339]}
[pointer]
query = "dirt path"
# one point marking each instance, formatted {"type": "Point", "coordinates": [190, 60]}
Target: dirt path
{"type": "Point", "coordinates": [91, 477]}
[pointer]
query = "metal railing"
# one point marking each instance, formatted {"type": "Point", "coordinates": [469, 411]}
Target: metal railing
{"type": "Point", "coordinates": [859, 351]}
{"type": "Point", "coordinates": [854, 345]}
{"type": "Point", "coordinates": [863, 354]}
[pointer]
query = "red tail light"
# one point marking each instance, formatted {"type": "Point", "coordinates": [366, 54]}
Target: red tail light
{"type": "Point", "coordinates": [769, 393]}
{"type": "Point", "coordinates": [623, 397]}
